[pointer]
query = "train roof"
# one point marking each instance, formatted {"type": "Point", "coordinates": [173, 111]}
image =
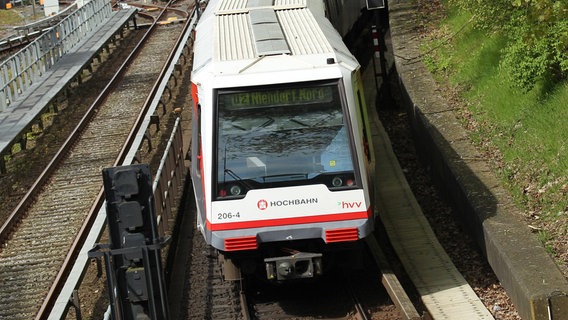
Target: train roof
{"type": "Point", "coordinates": [243, 32]}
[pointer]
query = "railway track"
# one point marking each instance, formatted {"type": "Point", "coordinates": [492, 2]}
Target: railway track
{"type": "Point", "coordinates": [151, 12]}
{"type": "Point", "coordinates": [344, 293]}
{"type": "Point", "coordinates": [371, 291]}
{"type": "Point", "coordinates": [44, 231]}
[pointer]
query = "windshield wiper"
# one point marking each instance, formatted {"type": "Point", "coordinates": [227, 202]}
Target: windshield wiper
{"type": "Point", "coordinates": [285, 177]}
{"type": "Point", "coordinates": [267, 122]}
{"type": "Point", "coordinates": [238, 179]}
{"type": "Point", "coordinates": [231, 172]}
{"type": "Point", "coordinates": [300, 123]}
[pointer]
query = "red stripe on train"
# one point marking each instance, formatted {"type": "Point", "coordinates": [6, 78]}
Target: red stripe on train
{"type": "Point", "coordinates": [288, 221]}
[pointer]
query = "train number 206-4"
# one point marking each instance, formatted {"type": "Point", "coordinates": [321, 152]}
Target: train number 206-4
{"type": "Point", "coordinates": [228, 215]}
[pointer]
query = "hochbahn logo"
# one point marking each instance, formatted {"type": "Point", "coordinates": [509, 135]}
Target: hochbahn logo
{"type": "Point", "coordinates": [263, 204]}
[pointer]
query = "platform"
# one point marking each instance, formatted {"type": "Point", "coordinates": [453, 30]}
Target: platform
{"type": "Point", "coordinates": [442, 289]}
{"type": "Point", "coordinates": [28, 109]}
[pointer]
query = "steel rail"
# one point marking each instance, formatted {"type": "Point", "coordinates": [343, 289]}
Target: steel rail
{"type": "Point", "coordinates": [154, 91]}
{"type": "Point", "coordinates": [148, 14]}
{"type": "Point", "coordinates": [245, 312]}
{"type": "Point", "coordinates": [360, 312]}
{"type": "Point", "coordinates": [391, 283]}
{"type": "Point", "coordinates": [35, 189]}
{"type": "Point", "coordinates": [15, 42]}
{"type": "Point", "coordinates": [18, 213]}
{"type": "Point", "coordinates": [80, 266]}
{"type": "Point", "coordinates": [180, 12]}
{"type": "Point", "coordinates": [89, 220]}
{"type": "Point", "coordinates": [85, 228]}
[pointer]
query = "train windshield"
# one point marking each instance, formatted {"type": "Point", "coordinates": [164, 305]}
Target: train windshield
{"type": "Point", "coordinates": [282, 136]}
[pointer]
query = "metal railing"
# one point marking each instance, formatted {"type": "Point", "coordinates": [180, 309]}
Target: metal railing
{"type": "Point", "coordinates": [21, 70]}
{"type": "Point", "coordinates": [46, 22]}
{"type": "Point", "coordinates": [169, 177]}
{"type": "Point", "coordinates": [27, 33]}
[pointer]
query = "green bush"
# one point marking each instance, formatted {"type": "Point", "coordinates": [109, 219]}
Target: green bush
{"type": "Point", "coordinates": [537, 33]}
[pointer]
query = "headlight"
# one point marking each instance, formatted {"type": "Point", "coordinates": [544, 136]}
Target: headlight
{"type": "Point", "coordinates": [337, 181]}
{"type": "Point", "coordinates": [235, 190]}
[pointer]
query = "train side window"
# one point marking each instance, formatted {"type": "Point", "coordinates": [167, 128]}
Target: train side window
{"type": "Point", "coordinates": [364, 126]}
{"type": "Point", "coordinates": [199, 142]}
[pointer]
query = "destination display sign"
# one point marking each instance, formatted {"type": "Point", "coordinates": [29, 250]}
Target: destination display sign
{"type": "Point", "coordinates": [280, 97]}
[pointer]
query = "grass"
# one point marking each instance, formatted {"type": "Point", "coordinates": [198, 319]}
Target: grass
{"type": "Point", "coordinates": [9, 18]}
{"type": "Point", "coordinates": [527, 130]}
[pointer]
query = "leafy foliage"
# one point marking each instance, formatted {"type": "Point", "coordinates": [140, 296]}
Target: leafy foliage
{"type": "Point", "coordinates": [538, 37]}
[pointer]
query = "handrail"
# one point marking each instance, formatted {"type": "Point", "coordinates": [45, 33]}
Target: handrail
{"type": "Point", "coordinates": [21, 70]}
{"type": "Point", "coordinates": [46, 22]}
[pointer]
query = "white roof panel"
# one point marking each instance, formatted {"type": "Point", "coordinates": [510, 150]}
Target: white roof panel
{"type": "Point", "coordinates": [234, 38]}
{"type": "Point", "coordinates": [247, 34]}
{"type": "Point", "coordinates": [300, 3]}
{"type": "Point", "coordinates": [302, 32]}
{"type": "Point", "coordinates": [229, 5]}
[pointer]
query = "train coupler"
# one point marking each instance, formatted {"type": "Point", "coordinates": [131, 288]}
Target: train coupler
{"type": "Point", "coordinates": [297, 266]}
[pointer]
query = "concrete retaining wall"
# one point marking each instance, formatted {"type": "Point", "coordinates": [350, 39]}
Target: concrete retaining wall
{"type": "Point", "coordinates": [529, 275]}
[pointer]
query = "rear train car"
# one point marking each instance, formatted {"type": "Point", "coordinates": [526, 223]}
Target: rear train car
{"type": "Point", "coordinates": [281, 153]}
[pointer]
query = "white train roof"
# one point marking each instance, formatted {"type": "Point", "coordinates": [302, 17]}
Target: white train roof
{"type": "Point", "coordinates": [245, 34]}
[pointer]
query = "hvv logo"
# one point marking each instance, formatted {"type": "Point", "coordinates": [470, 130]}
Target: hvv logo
{"type": "Point", "coordinates": [350, 204]}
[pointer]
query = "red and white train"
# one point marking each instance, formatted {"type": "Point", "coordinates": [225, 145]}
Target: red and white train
{"type": "Point", "coordinates": [282, 164]}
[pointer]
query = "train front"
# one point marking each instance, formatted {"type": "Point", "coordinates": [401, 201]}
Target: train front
{"type": "Point", "coordinates": [285, 179]}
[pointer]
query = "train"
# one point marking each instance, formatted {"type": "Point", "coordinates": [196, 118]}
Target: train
{"type": "Point", "coordinates": [282, 163]}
